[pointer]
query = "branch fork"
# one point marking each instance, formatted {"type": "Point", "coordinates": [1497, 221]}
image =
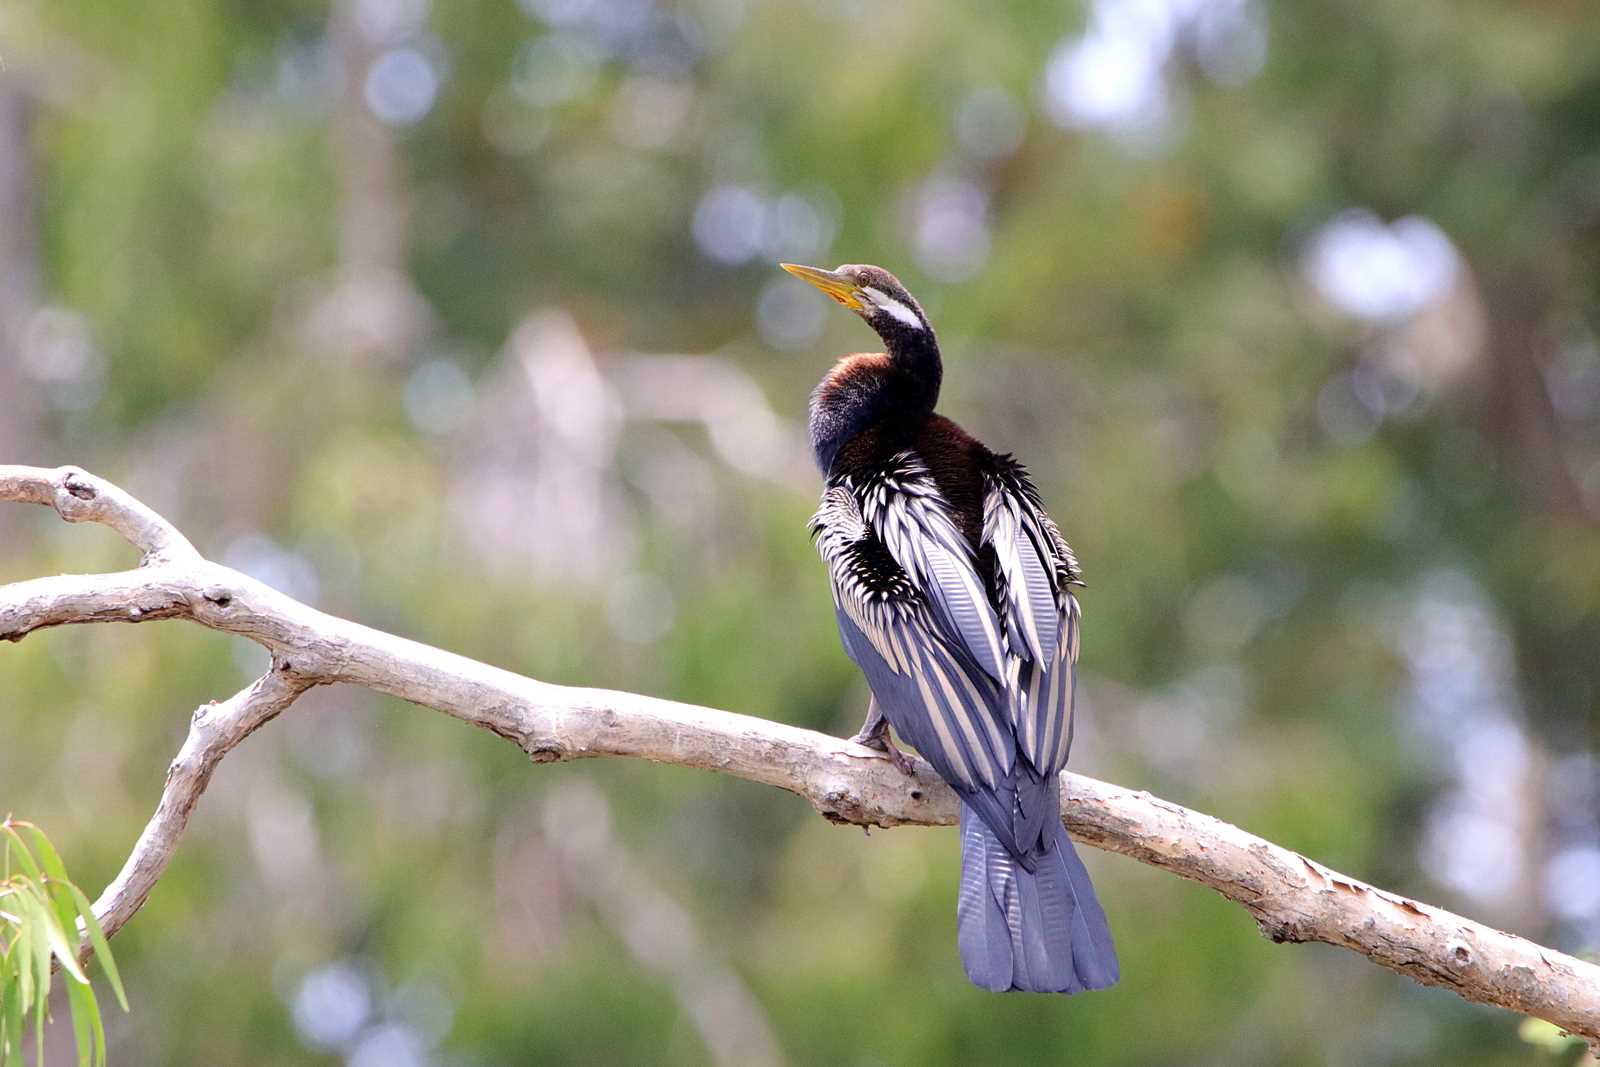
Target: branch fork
{"type": "Point", "coordinates": [1291, 897]}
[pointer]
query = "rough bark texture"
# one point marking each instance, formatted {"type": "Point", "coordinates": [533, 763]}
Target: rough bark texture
{"type": "Point", "coordinates": [1291, 897]}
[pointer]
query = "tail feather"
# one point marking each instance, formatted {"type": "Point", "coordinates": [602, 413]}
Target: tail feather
{"type": "Point", "coordinates": [1040, 931]}
{"type": "Point", "coordinates": [983, 929]}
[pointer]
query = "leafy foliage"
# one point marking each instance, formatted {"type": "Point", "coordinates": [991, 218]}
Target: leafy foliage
{"type": "Point", "coordinates": [41, 912]}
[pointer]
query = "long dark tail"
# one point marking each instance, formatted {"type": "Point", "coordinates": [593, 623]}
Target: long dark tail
{"type": "Point", "coordinates": [1040, 931]}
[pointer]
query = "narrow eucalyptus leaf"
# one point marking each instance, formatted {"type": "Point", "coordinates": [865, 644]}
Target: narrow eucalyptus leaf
{"type": "Point", "coordinates": [97, 937]}
{"type": "Point", "coordinates": [80, 1010]}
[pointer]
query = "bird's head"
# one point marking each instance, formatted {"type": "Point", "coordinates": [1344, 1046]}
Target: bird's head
{"type": "Point", "coordinates": [871, 292]}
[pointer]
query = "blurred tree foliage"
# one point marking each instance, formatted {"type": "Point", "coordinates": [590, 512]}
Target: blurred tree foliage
{"type": "Point", "coordinates": [1292, 311]}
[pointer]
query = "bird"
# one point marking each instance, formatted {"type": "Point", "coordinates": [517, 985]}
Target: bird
{"type": "Point", "coordinates": [953, 591]}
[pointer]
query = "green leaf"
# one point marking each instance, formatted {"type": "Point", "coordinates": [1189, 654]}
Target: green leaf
{"type": "Point", "coordinates": [22, 955]}
{"type": "Point", "coordinates": [34, 958]}
{"type": "Point", "coordinates": [97, 937]}
{"type": "Point", "coordinates": [87, 1029]}
{"type": "Point", "coordinates": [40, 920]}
{"type": "Point", "coordinates": [96, 1026]}
{"type": "Point", "coordinates": [80, 1022]}
{"type": "Point", "coordinates": [65, 950]}
{"type": "Point", "coordinates": [49, 858]}
{"type": "Point", "coordinates": [40, 912]}
{"type": "Point", "coordinates": [20, 848]}
{"type": "Point", "coordinates": [56, 871]}
{"type": "Point", "coordinates": [41, 1010]}
{"type": "Point", "coordinates": [10, 1015]}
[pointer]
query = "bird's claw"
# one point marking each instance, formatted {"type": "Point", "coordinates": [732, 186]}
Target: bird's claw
{"type": "Point", "coordinates": [879, 741]}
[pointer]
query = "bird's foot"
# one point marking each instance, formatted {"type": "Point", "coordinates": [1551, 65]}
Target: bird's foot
{"type": "Point", "coordinates": [880, 740]}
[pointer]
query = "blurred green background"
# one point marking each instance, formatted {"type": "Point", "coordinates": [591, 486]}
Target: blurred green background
{"type": "Point", "coordinates": [459, 317]}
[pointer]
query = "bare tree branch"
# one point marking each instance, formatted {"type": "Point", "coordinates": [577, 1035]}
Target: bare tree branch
{"type": "Point", "coordinates": [213, 731]}
{"type": "Point", "coordinates": [1291, 897]}
{"type": "Point", "coordinates": [81, 497]}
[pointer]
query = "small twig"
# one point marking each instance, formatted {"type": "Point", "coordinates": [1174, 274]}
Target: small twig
{"type": "Point", "coordinates": [79, 496]}
{"type": "Point", "coordinates": [213, 731]}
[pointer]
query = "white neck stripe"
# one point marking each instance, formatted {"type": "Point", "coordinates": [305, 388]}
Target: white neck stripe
{"type": "Point", "coordinates": [894, 308]}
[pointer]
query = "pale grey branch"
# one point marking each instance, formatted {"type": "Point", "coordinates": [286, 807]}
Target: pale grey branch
{"type": "Point", "coordinates": [79, 496]}
{"type": "Point", "coordinates": [1291, 897]}
{"type": "Point", "coordinates": [213, 731]}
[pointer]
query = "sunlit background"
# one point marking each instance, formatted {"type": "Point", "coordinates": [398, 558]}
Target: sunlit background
{"type": "Point", "coordinates": [460, 318]}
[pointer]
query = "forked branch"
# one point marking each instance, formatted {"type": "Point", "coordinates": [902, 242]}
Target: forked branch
{"type": "Point", "coordinates": [1292, 898]}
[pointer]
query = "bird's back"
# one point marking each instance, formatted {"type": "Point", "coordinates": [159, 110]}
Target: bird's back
{"type": "Point", "coordinates": [955, 459]}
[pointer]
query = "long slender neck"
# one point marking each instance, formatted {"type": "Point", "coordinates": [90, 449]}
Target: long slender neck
{"type": "Point", "coordinates": [915, 354]}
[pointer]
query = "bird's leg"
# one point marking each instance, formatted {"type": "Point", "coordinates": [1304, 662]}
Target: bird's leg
{"type": "Point", "coordinates": [874, 733]}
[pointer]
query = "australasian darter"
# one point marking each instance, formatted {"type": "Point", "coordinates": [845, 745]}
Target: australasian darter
{"type": "Point", "coordinates": [953, 590]}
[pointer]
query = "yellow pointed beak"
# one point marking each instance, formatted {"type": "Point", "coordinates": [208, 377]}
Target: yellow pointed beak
{"type": "Point", "coordinates": [831, 282]}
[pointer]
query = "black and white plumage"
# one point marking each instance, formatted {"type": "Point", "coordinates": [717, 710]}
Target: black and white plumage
{"type": "Point", "coordinates": [953, 594]}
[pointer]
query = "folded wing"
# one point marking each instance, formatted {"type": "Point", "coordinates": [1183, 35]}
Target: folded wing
{"type": "Point", "coordinates": [973, 673]}
{"type": "Point", "coordinates": [1034, 570]}
{"type": "Point", "coordinates": [930, 687]}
